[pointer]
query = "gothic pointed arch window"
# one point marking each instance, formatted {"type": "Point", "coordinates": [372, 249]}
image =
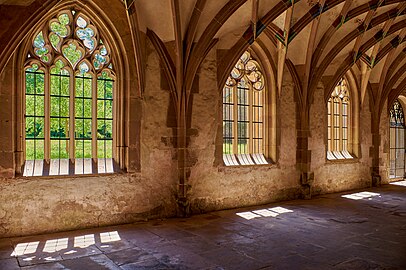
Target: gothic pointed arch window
{"type": "Point", "coordinates": [397, 140]}
{"type": "Point", "coordinates": [244, 111]}
{"type": "Point", "coordinates": [339, 122]}
{"type": "Point", "coordinates": [69, 83]}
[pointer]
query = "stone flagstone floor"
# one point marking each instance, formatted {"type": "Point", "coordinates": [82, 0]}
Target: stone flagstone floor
{"type": "Point", "coordinates": [364, 229]}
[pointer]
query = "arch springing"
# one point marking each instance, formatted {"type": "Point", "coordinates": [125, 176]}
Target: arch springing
{"type": "Point", "coordinates": [69, 90]}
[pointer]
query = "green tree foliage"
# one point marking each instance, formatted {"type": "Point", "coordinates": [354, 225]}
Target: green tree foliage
{"type": "Point", "coordinates": [59, 112]}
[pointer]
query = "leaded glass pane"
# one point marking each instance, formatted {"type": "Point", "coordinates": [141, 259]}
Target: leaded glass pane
{"type": "Point", "coordinates": [104, 148]}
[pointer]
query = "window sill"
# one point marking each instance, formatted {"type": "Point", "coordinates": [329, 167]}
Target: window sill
{"type": "Point", "coordinates": [246, 168]}
{"type": "Point", "coordinates": [394, 179]}
{"type": "Point", "coordinates": [69, 176]}
{"type": "Point", "coordinates": [69, 168]}
{"type": "Point", "coordinates": [245, 160]}
{"type": "Point", "coordinates": [340, 157]}
{"type": "Point", "coordinates": [353, 160]}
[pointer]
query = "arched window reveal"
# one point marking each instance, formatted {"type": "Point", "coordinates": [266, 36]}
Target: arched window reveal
{"type": "Point", "coordinates": [244, 114]}
{"type": "Point", "coordinates": [397, 141]}
{"type": "Point", "coordinates": [338, 122]}
{"type": "Point", "coordinates": [69, 85]}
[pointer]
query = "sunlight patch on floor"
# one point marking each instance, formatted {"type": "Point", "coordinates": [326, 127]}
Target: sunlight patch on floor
{"type": "Point", "coordinates": [55, 245]}
{"type": "Point", "coordinates": [361, 195]}
{"type": "Point", "coordinates": [270, 212]}
{"type": "Point", "coordinates": [25, 248]}
{"type": "Point", "coordinates": [62, 244]}
{"type": "Point", "coordinates": [109, 237]}
{"type": "Point", "coordinates": [84, 241]}
{"type": "Point", "coordinates": [399, 183]}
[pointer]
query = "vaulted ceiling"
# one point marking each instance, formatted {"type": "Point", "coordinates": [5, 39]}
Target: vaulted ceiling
{"type": "Point", "coordinates": [323, 38]}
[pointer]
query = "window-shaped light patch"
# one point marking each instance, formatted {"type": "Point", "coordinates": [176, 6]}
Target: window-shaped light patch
{"type": "Point", "coordinates": [270, 212]}
{"type": "Point", "coordinates": [84, 241]}
{"type": "Point", "coordinates": [280, 210]}
{"type": "Point", "coordinates": [399, 183]}
{"type": "Point", "coordinates": [265, 213]}
{"type": "Point", "coordinates": [248, 215]}
{"type": "Point", "coordinates": [25, 248]}
{"type": "Point", "coordinates": [361, 195]}
{"type": "Point", "coordinates": [107, 237]}
{"type": "Point", "coordinates": [55, 245]}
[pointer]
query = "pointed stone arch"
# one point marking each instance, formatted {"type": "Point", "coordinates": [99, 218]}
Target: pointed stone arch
{"type": "Point", "coordinates": [113, 42]}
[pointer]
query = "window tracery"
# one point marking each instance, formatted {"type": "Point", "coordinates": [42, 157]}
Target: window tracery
{"type": "Point", "coordinates": [69, 85]}
{"type": "Point", "coordinates": [397, 140]}
{"type": "Point", "coordinates": [338, 118]}
{"type": "Point", "coordinates": [244, 114]}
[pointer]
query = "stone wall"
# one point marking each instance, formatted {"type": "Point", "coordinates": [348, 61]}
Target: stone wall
{"type": "Point", "coordinates": [215, 187]}
{"type": "Point", "coordinates": [46, 204]}
{"type": "Point", "coordinates": [335, 176]}
{"type": "Point", "coordinates": [384, 146]}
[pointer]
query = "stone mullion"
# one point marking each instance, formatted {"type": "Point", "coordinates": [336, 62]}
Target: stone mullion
{"type": "Point", "coordinates": [336, 135]}
{"type": "Point", "coordinates": [72, 93]}
{"type": "Point", "coordinates": [94, 123]}
{"type": "Point", "coordinates": [331, 131]}
{"type": "Point", "coordinates": [376, 178]}
{"type": "Point", "coordinates": [350, 125]}
{"type": "Point", "coordinates": [120, 123]}
{"type": "Point", "coordinates": [340, 124]}
{"type": "Point", "coordinates": [47, 132]}
{"type": "Point", "coordinates": [303, 154]}
{"type": "Point", "coordinates": [117, 118]}
{"type": "Point", "coordinates": [250, 119]}
{"type": "Point", "coordinates": [182, 156]}
{"type": "Point", "coordinates": [235, 120]}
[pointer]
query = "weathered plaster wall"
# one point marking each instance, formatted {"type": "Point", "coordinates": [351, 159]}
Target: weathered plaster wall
{"type": "Point", "coordinates": [335, 176]}
{"type": "Point", "coordinates": [215, 187]}
{"type": "Point", "coordinates": [46, 204]}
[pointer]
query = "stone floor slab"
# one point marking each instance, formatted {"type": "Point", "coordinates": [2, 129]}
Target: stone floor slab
{"type": "Point", "coordinates": [9, 264]}
{"type": "Point", "coordinates": [327, 232]}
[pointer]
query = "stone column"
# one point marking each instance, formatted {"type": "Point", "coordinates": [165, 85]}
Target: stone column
{"type": "Point", "coordinates": [303, 154]}
{"type": "Point", "coordinates": [376, 140]}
